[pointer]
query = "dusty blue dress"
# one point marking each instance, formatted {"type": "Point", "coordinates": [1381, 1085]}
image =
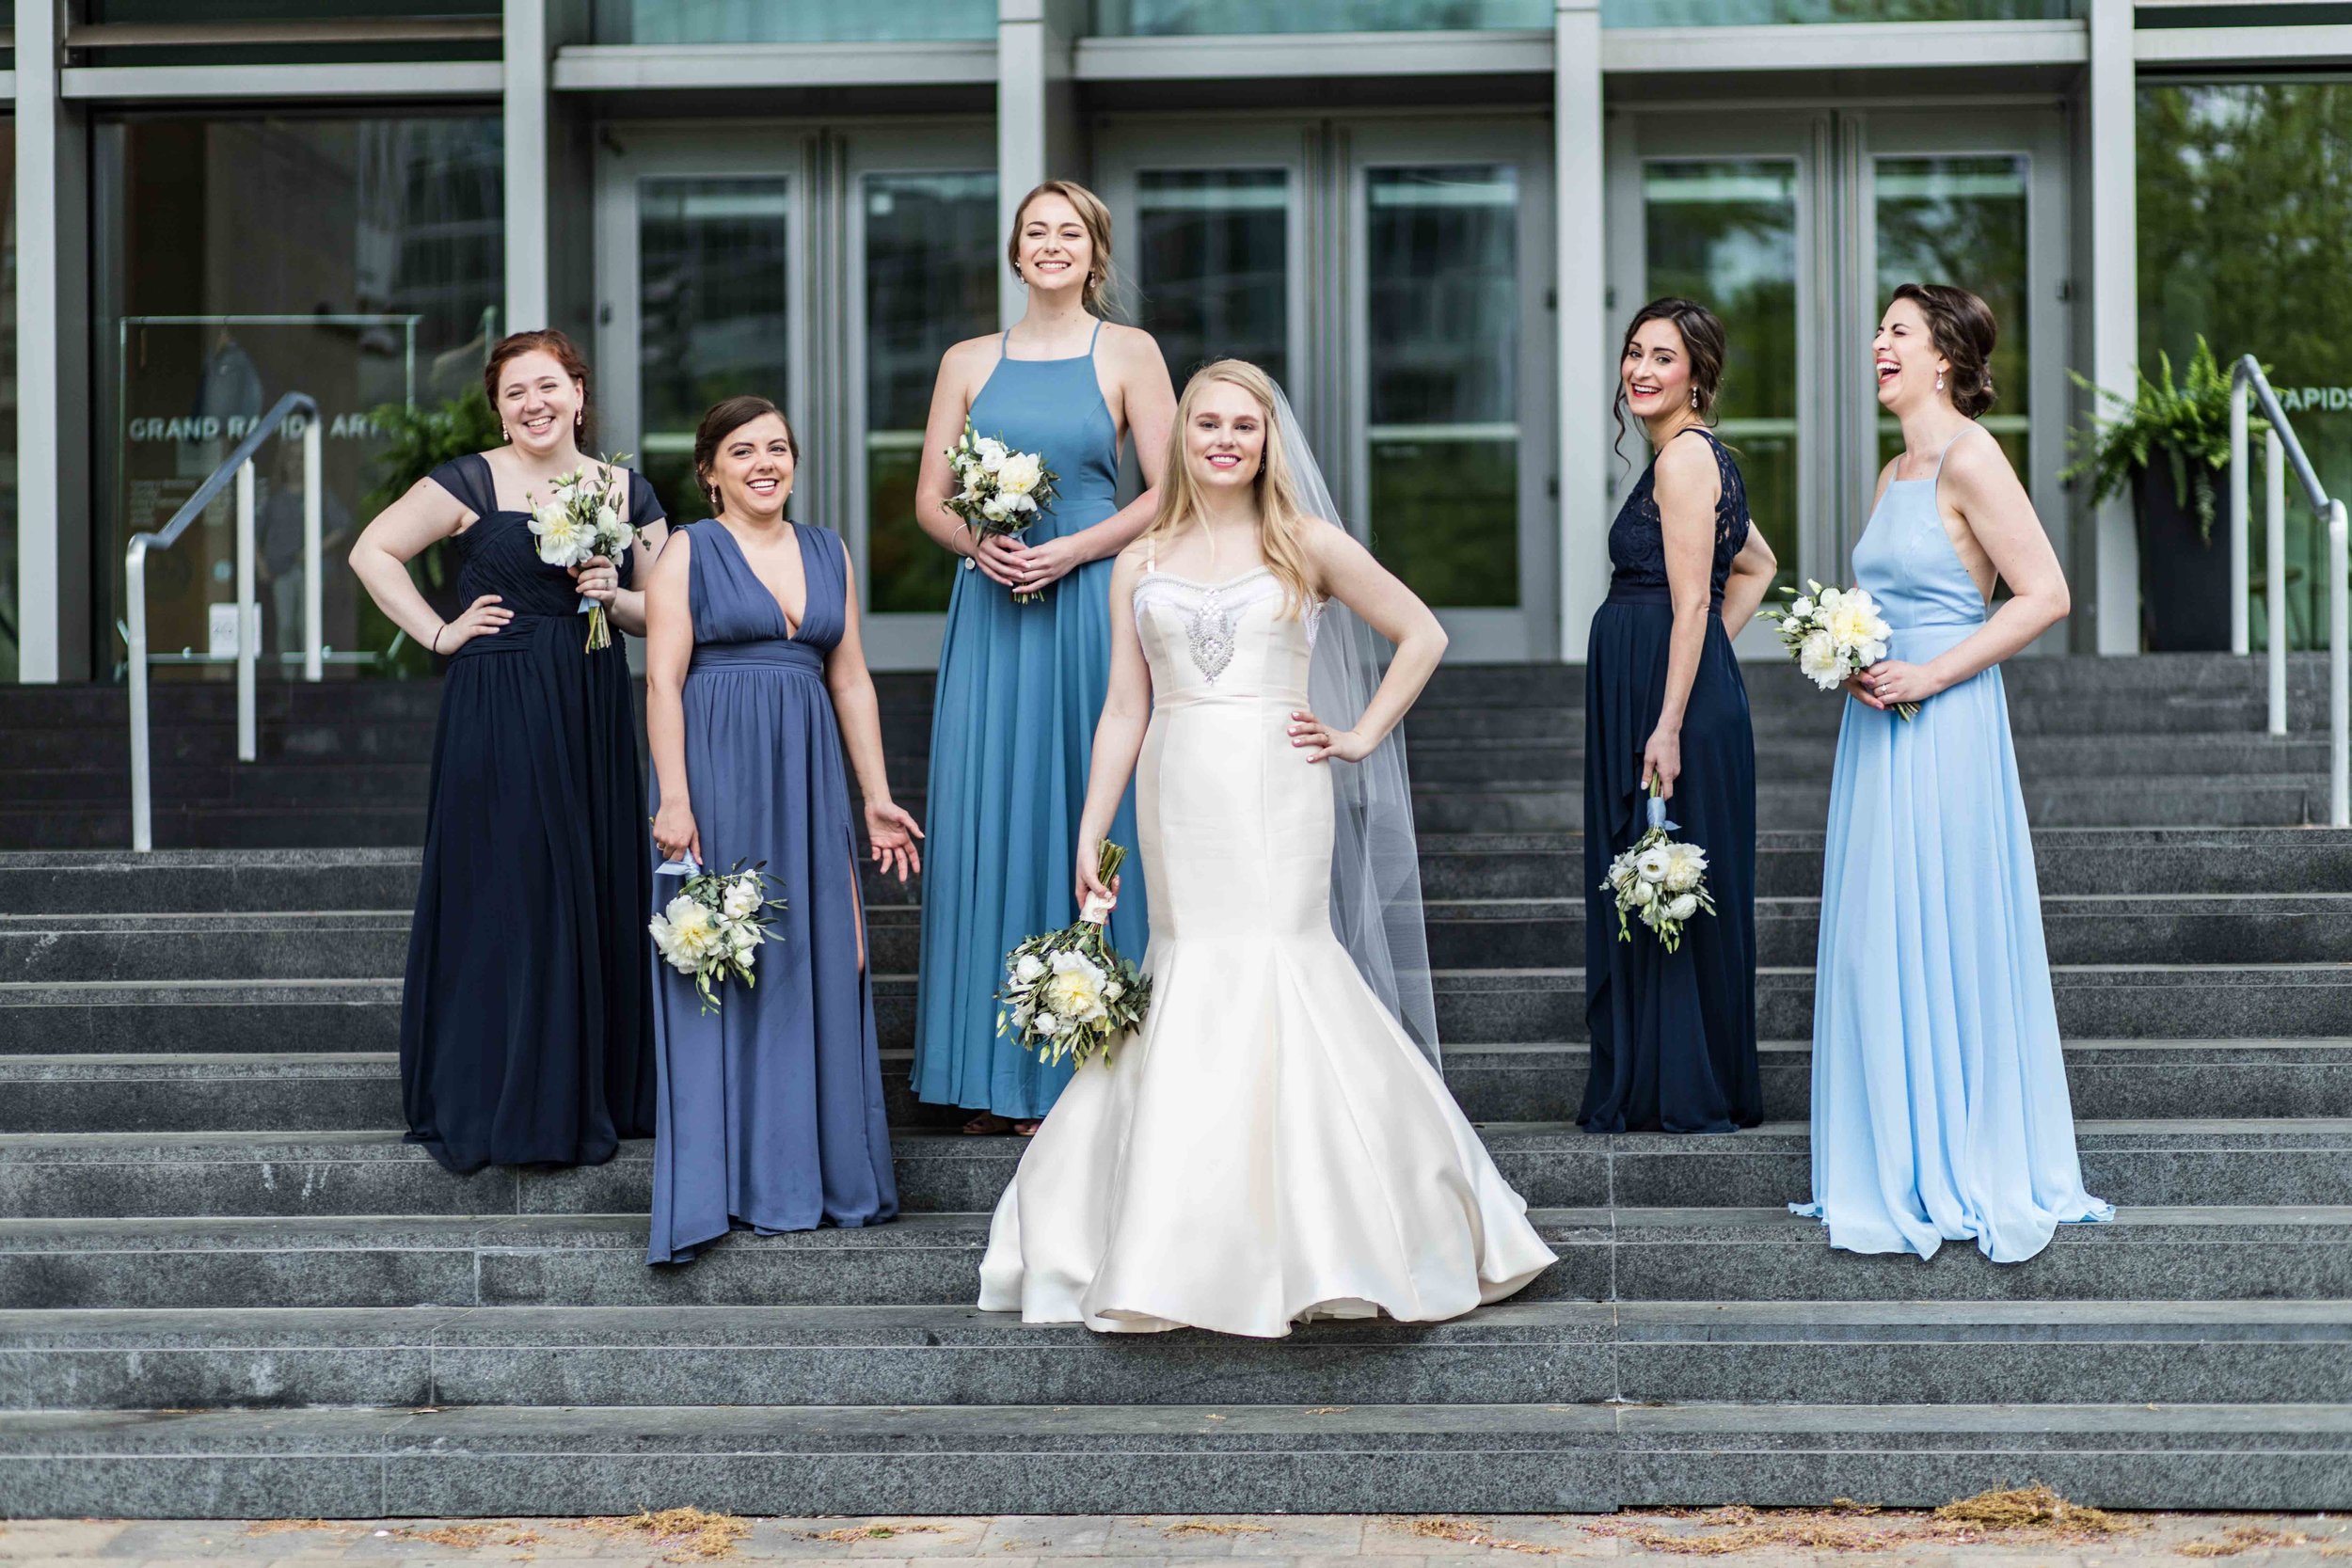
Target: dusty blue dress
{"type": "Point", "coordinates": [769, 1111]}
{"type": "Point", "coordinates": [1020, 689]}
{"type": "Point", "coordinates": [1940, 1108]}
{"type": "Point", "coordinates": [1674, 1033]}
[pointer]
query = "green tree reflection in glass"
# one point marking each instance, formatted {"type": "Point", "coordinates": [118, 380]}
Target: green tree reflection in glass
{"type": "Point", "coordinates": [1724, 232]}
{"type": "Point", "coordinates": [2245, 228]}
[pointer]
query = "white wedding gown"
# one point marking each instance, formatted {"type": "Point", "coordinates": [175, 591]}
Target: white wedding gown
{"type": "Point", "coordinates": [1271, 1146]}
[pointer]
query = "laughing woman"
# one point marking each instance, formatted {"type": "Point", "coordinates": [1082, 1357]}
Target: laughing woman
{"type": "Point", "coordinates": [1674, 1033]}
{"type": "Point", "coordinates": [1940, 1108]}
{"type": "Point", "coordinates": [755, 680]}
{"type": "Point", "coordinates": [524, 1037]}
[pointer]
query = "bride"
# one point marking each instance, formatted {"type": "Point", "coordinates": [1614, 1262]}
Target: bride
{"type": "Point", "coordinates": [1276, 1142]}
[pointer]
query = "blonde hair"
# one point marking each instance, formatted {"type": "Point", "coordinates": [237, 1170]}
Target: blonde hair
{"type": "Point", "coordinates": [1093, 216]}
{"type": "Point", "coordinates": [1280, 518]}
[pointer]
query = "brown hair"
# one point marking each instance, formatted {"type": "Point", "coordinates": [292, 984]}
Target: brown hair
{"type": "Point", "coordinates": [1962, 329]}
{"type": "Point", "coordinates": [1280, 515]}
{"type": "Point", "coordinates": [723, 420]}
{"type": "Point", "coordinates": [1093, 216]}
{"type": "Point", "coordinates": [1704, 342]}
{"type": "Point", "coordinates": [547, 341]}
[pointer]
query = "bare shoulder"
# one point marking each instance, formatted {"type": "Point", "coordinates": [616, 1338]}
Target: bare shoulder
{"type": "Point", "coordinates": [1976, 463]}
{"type": "Point", "coordinates": [676, 551]}
{"type": "Point", "coordinates": [1330, 548]}
{"type": "Point", "coordinates": [1686, 470]}
{"type": "Point", "coordinates": [1131, 350]}
{"type": "Point", "coordinates": [967, 361]}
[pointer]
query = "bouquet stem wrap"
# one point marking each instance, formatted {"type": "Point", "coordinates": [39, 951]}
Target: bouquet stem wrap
{"type": "Point", "coordinates": [1069, 992]}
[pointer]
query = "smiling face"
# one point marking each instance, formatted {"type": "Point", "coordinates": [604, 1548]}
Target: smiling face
{"type": "Point", "coordinates": [1225, 439]}
{"type": "Point", "coordinates": [539, 403]}
{"type": "Point", "coordinates": [1904, 359]}
{"type": "Point", "coordinates": [1656, 371]}
{"type": "Point", "coordinates": [753, 469]}
{"type": "Point", "coordinates": [1055, 249]}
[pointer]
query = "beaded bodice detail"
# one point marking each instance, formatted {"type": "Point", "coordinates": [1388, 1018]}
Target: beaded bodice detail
{"type": "Point", "coordinates": [1637, 540]}
{"type": "Point", "coordinates": [1223, 638]}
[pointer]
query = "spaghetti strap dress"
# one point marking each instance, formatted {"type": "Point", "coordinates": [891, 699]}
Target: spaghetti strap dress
{"type": "Point", "coordinates": [1940, 1107]}
{"type": "Point", "coordinates": [526, 1034]}
{"type": "Point", "coordinates": [1672, 1034]}
{"type": "Point", "coordinates": [1020, 687]}
{"type": "Point", "coordinates": [770, 1107]}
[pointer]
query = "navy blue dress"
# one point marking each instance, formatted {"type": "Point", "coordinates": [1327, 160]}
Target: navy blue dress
{"type": "Point", "coordinates": [1672, 1034]}
{"type": "Point", "coordinates": [771, 1108]}
{"type": "Point", "coordinates": [526, 1037]}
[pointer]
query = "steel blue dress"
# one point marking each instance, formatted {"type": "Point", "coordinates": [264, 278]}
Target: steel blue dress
{"type": "Point", "coordinates": [1672, 1034]}
{"type": "Point", "coordinates": [770, 1109]}
{"type": "Point", "coordinates": [525, 1032]}
{"type": "Point", "coordinates": [1940, 1110]}
{"type": "Point", "coordinates": [1020, 687]}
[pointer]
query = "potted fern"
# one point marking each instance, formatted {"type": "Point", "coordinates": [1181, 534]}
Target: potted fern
{"type": "Point", "coordinates": [2168, 446]}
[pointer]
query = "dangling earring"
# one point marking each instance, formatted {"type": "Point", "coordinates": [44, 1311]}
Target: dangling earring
{"type": "Point", "coordinates": [1939, 381]}
{"type": "Point", "coordinates": [504, 434]}
{"type": "Point", "coordinates": [714, 499]}
{"type": "Point", "coordinates": [1695, 397]}
{"type": "Point", "coordinates": [580, 422]}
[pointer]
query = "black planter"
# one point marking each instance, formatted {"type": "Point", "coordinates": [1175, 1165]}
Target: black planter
{"type": "Point", "coordinates": [2184, 581]}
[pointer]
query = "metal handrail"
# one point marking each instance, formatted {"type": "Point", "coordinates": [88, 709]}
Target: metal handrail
{"type": "Point", "coordinates": [237, 467]}
{"type": "Point", "coordinates": [2280, 449]}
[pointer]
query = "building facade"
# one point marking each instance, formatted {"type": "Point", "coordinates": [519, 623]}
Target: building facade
{"type": "Point", "coordinates": [1427, 217]}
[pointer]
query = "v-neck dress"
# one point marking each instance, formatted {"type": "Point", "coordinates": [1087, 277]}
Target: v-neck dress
{"type": "Point", "coordinates": [525, 1034]}
{"type": "Point", "coordinates": [771, 1108]}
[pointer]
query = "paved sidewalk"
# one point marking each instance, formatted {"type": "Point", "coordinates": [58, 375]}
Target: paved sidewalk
{"type": "Point", "coordinates": [1752, 1537]}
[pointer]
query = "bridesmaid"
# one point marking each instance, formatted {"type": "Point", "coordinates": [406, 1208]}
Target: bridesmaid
{"type": "Point", "coordinates": [1940, 1109]}
{"type": "Point", "coordinates": [1021, 686]}
{"type": "Point", "coordinates": [771, 1108]}
{"type": "Point", "coordinates": [525, 1034]}
{"type": "Point", "coordinates": [1674, 1033]}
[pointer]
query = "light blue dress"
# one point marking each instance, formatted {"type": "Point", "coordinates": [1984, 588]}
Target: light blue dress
{"type": "Point", "coordinates": [769, 1109]}
{"type": "Point", "coordinates": [1020, 687]}
{"type": "Point", "coordinates": [1940, 1108]}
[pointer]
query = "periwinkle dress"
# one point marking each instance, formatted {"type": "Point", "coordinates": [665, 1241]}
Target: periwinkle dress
{"type": "Point", "coordinates": [1672, 1034]}
{"type": "Point", "coordinates": [525, 1032]}
{"type": "Point", "coordinates": [1940, 1109]}
{"type": "Point", "coordinates": [1020, 687]}
{"type": "Point", "coordinates": [770, 1109]}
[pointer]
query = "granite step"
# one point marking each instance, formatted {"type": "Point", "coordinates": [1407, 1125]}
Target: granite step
{"type": "Point", "coordinates": [1551, 1164]}
{"type": "Point", "coordinates": [1531, 933]}
{"type": "Point", "coordinates": [306, 1091]}
{"type": "Point", "coordinates": [505, 1461]}
{"type": "Point", "coordinates": [1555, 1353]}
{"type": "Point", "coordinates": [2205, 1253]}
{"type": "Point", "coordinates": [2069, 861]}
{"type": "Point", "coordinates": [1473, 1007]}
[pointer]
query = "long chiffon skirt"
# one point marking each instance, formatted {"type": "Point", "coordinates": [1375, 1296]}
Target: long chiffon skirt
{"type": "Point", "coordinates": [1940, 1108]}
{"type": "Point", "coordinates": [1672, 1034]}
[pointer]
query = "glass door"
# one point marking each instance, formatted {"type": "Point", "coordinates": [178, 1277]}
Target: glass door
{"type": "Point", "coordinates": [827, 272]}
{"type": "Point", "coordinates": [1393, 275]}
{"type": "Point", "coordinates": [1794, 229]}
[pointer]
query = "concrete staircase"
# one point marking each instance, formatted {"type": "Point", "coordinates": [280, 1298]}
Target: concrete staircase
{"type": "Point", "coordinates": [227, 1287]}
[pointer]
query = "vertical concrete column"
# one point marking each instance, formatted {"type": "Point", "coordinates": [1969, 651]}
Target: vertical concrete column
{"type": "Point", "coordinates": [1036, 123]}
{"type": "Point", "coordinates": [53, 543]}
{"type": "Point", "coordinates": [530, 56]}
{"type": "Point", "coordinates": [1580, 255]}
{"type": "Point", "coordinates": [2114, 299]}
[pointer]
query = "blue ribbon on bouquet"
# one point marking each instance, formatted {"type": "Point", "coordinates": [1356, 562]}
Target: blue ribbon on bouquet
{"type": "Point", "coordinates": [684, 865]}
{"type": "Point", "coordinates": [1657, 813]}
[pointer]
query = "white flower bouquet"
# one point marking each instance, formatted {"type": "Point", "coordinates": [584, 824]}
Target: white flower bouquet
{"type": "Point", "coordinates": [1002, 490]}
{"type": "Point", "coordinates": [1069, 993]}
{"type": "Point", "coordinates": [581, 521]}
{"type": "Point", "coordinates": [1659, 882]}
{"type": "Point", "coordinates": [1833, 634]}
{"type": "Point", "coordinates": [713, 928]}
